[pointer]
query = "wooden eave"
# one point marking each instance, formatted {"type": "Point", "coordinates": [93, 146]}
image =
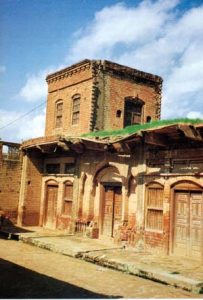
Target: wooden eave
{"type": "Point", "coordinates": [163, 136]}
{"type": "Point", "coordinates": [38, 145]}
{"type": "Point", "coordinates": [11, 144]}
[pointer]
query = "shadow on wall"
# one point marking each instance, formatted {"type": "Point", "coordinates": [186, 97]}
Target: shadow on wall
{"type": "Point", "coordinates": [19, 282]}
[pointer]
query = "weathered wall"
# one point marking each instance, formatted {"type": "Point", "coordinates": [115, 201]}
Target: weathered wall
{"type": "Point", "coordinates": [142, 172]}
{"type": "Point", "coordinates": [63, 88]}
{"type": "Point", "coordinates": [117, 89]}
{"type": "Point", "coordinates": [136, 172]}
{"type": "Point", "coordinates": [102, 94]}
{"type": "Point", "coordinates": [169, 168]}
{"type": "Point", "coordinates": [63, 220]}
{"type": "Point", "coordinates": [10, 174]}
{"type": "Point", "coordinates": [31, 191]}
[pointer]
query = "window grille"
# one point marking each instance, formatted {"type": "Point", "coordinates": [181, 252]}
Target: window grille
{"type": "Point", "coordinates": [59, 114]}
{"type": "Point", "coordinates": [68, 198]}
{"type": "Point", "coordinates": [76, 109]}
{"type": "Point", "coordinates": [154, 209]}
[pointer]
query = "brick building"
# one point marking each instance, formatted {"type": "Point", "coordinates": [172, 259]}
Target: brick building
{"type": "Point", "coordinates": [10, 173]}
{"type": "Point", "coordinates": [108, 167]}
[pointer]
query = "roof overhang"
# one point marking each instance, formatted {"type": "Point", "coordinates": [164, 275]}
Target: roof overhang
{"type": "Point", "coordinates": [163, 136]}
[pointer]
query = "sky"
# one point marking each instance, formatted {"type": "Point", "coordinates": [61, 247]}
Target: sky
{"type": "Point", "coordinates": [163, 37]}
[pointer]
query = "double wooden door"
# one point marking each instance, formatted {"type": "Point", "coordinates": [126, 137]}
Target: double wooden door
{"type": "Point", "coordinates": [112, 209]}
{"type": "Point", "coordinates": [51, 204]}
{"type": "Point", "coordinates": [188, 224]}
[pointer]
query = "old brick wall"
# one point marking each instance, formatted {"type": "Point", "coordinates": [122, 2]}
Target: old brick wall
{"type": "Point", "coordinates": [103, 90]}
{"type": "Point", "coordinates": [63, 218]}
{"type": "Point", "coordinates": [78, 81]}
{"type": "Point", "coordinates": [134, 197]}
{"type": "Point", "coordinates": [10, 174]}
{"type": "Point", "coordinates": [169, 168]}
{"type": "Point", "coordinates": [119, 88]}
{"type": "Point", "coordinates": [32, 190]}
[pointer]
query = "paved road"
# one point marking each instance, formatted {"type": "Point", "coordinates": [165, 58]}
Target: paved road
{"type": "Point", "coordinates": [30, 272]}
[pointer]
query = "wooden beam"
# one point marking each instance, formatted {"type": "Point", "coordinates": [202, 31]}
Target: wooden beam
{"type": "Point", "coordinates": [78, 148]}
{"type": "Point", "coordinates": [40, 148]}
{"type": "Point", "coordinates": [156, 139]}
{"type": "Point", "coordinates": [190, 132]}
{"type": "Point", "coordinates": [63, 145]}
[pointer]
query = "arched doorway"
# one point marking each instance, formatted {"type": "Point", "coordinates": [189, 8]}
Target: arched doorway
{"type": "Point", "coordinates": [187, 225]}
{"type": "Point", "coordinates": [50, 204]}
{"type": "Point", "coordinates": [110, 200]}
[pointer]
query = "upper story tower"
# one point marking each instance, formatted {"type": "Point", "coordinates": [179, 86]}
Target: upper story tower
{"type": "Point", "coordinates": [100, 95]}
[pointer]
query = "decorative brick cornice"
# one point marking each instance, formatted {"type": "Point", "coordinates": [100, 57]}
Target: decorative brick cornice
{"type": "Point", "coordinates": [69, 71]}
{"type": "Point", "coordinates": [130, 72]}
{"type": "Point", "coordinates": [106, 66]}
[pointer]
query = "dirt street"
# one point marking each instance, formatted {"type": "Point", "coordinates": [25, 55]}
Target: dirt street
{"type": "Point", "coordinates": [30, 272]}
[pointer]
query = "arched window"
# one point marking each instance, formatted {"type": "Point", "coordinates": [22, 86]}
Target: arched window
{"type": "Point", "coordinates": [154, 207]}
{"type": "Point", "coordinates": [59, 113]}
{"type": "Point", "coordinates": [76, 109]}
{"type": "Point", "coordinates": [68, 198]}
{"type": "Point", "coordinates": [133, 111]}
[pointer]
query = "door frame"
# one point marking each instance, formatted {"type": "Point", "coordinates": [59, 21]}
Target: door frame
{"type": "Point", "coordinates": [187, 186]}
{"type": "Point", "coordinates": [47, 184]}
{"type": "Point", "coordinates": [102, 203]}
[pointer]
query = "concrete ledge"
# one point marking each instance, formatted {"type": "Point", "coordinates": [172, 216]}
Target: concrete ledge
{"type": "Point", "coordinates": [163, 277]}
{"type": "Point", "coordinates": [100, 257]}
{"type": "Point", "coordinates": [48, 246]}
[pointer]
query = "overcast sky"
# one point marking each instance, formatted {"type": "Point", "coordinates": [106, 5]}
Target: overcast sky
{"type": "Point", "coordinates": [40, 36]}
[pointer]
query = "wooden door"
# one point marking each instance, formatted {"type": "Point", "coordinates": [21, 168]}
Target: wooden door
{"type": "Point", "coordinates": [51, 203]}
{"type": "Point", "coordinates": [188, 228]}
{"type": "Point", "coordinates": [196, 224]}
{"type": "Point", "coordinates": [117, 211]}
{"type": "Point", "coordinates": [112, 209]}
{"type": "Point", "coordinates": [181, 226]}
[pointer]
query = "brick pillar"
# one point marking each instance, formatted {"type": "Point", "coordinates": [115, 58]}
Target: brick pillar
{"type": "Point", "coordinates": [22, 191]}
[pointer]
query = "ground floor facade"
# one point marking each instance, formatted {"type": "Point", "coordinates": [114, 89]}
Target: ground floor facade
{"type": "Point", "coordinates": [151, 201]}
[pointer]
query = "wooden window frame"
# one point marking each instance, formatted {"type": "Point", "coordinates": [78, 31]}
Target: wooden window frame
{"type": "Point", "coordinates": [133, 109]}
{"type": "Point", "coordinates": [76, 109]}
{"type": "Point", "coordinates": [68, 201]}
{"type": "Point", "coordinates": [59, 114]}
{"type": "Point", "coordinates": [154, 210]}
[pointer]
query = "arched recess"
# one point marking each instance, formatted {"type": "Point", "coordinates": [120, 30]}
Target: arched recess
{"type": "Point", "coordinates": [51, 195]}
{"type": "Point", "coordinates": [109, 181]}
{"type": "Point", "coordinates": [186, 219]}
{"type": "Point", "coordinates": [186, 185]}
{"type": "Point", "coordinates": [154, 206]}
{"type": "Point", "coordinates": [67, 198]}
